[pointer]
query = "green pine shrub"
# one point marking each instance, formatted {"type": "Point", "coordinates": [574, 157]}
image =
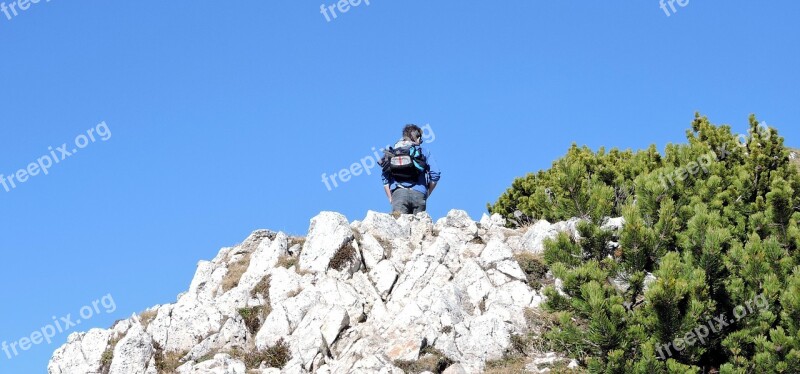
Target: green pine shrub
{"type": "Point", "coordinates": [715, 221]}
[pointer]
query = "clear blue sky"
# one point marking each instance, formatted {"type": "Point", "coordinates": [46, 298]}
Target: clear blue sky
{"type": "Point", "coordinates": [224, 116]}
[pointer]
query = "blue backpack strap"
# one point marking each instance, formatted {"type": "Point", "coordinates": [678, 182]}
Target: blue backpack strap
{"type": "Point", "coordinates": [418, 154]}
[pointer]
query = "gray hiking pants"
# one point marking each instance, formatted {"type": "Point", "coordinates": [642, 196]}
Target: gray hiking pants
{"type": "Point", "coordinates": [408, 201]}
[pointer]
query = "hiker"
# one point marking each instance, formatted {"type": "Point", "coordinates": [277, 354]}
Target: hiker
{"type": "Point", "coordinates": [408, 178]}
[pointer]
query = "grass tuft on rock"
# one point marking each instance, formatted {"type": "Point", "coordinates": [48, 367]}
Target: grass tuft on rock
{"type": "Point", "coordinates": [235, 272]}
{"type": "Point", "coordinates": [534, 268]}
{"type": "Point", "coordinates": [262, 288]}
{"type": "Point", "coordinates": [108, 355]}
{"type": "Point", "coordinates": [167, 362]}
{"type": "Point", "coordinates": [286, 261]}
{"type": "Point", "coordinates": [343, 257]}
{"type": "Point", "coordinates": [254, 317]}
{"type": "Point", "coordinates": [146, 317]}
{"type": "Point", "coordinates": [509, 364]}
{"type": "Point", "coordinates": [275, 356]}
{"type": "Point", "coordinates": [430, 360]}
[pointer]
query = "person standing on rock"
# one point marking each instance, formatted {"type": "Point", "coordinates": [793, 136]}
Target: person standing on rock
{"type": "Point", "coordinates": [408, 178]}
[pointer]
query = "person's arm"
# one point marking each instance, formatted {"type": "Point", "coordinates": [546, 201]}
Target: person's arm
{"type": "Point", "coordinates": [433, 175]}
{"type": "Point", "coordinates": [387, 184]}
{"type": "Point", "coordinates": [431, 187]}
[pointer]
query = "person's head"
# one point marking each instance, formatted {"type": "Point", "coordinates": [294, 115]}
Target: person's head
{"type": "Point", "coordinates": [412, 133]}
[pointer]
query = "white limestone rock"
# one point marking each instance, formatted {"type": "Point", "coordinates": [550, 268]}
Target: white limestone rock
{"type": "Point", "coordinates": [455, 369]}
{"type": "Point", "coordinates": [81, 354]}
{"type": "Point", "coordinates": [453, 285]}
{"type": "Point", "coordinates": [329, 232]}
{"type": "Point", "coordinates": [457, 227]}
{"type": "Point", "coordinates": [133, 353]}
{"type": "Point", "coordinates": [221, 364]}
{"type": "Point", "coordinates": [533, 240]}
{"type": "Point", "coordinates": [372, 251]}
{"type": "Point", "coordinates": [474, 282]}
{"type": "Point", "coordinates": [275, 327]}
{"type": "Point", "coordinates": [383, 226]}
{"type": "Point", "coordinates": [613, 223]}
{"type": "Point", "coordinates": [384, 277]}
{"type": "Point", "coordinates": [404, 336]}
{"type": "Point", "coordinates": [335, 321]}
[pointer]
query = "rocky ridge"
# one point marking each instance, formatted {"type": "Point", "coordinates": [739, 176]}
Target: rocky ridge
{"type": "Point", "coordinates": [366, 296]}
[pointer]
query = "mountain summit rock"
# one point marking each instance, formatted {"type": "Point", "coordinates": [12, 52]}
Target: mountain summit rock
{"type": "Point", "coordinates": [382, 295]}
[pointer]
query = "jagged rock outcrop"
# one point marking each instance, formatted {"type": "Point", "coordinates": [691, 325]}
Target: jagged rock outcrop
{"type": "Point", "coordinates": [351, 297]}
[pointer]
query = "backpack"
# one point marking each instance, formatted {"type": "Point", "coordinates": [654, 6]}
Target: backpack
{"type": "Point", "coordinates": [405, 164]}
